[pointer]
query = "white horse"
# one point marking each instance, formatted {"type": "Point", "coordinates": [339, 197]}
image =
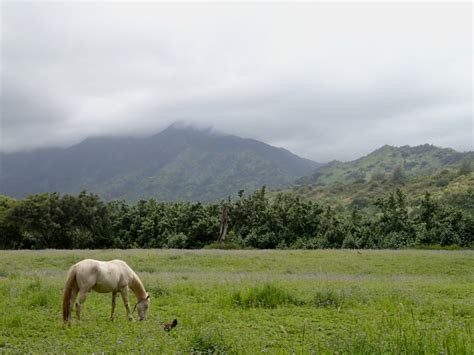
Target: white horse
{"type": "Point", "coordinates": [103, 276]}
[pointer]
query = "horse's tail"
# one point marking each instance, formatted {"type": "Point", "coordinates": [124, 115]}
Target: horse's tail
{"type": "Point", "coordinates": [68, 290]}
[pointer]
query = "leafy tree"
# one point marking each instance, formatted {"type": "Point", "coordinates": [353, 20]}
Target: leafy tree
{"type": "Point", "coordinates": [442, 225]}
{"type": "Point", "coordinates": [394, 226]}
{"type": "Point", "coordinates": [9, 231]}
{"type": "Point", "coordinates": [398, 175]}
{"type": "Point", "coordinates": [378, 176]}
{"type": "Point", "coordinates": [465, 168]}
{"type": "Point", "coordinates": [280, 220]}
{"type": "Point", "coordinates": [38, 217]}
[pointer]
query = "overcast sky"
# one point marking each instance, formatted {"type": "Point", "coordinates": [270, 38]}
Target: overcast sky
{"type": "Point", "coordinates": [324, 80]}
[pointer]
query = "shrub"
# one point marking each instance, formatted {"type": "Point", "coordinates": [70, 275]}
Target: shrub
{"type": "Point", "coordinates": [308, 243]}
{"type": "Point", "coordinates": [266, 240]}
{"type": "Point", "coordinates": [178, 241]}
{"type": "Point", "coordinates": [395, 240]}
{"type": "Point", "coordinates": [349, 242]}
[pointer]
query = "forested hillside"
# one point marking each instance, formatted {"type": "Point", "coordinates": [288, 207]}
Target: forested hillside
{"type": "Point", "coordinates": [379, 165]}
{"type": "Point", "coordinates": [178, 164]}
{"type": "Point", "coordinates": [452, 187]}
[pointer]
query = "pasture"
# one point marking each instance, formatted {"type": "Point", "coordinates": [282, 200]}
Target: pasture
{"type": "Point", "coordinates": [249, 301]}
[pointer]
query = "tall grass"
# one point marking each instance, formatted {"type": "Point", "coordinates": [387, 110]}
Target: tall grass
{"type": "Point", "coordinates": [266, 296]}
{"type": "Point", "coordinates": [246, 302]}
{"type": "Point", "coordinates": [207, 341]}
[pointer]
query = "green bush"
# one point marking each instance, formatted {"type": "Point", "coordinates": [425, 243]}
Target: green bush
{"type": "Point", "coordinates": [177, 241]}
{"type": "Point", "coordinates": [264, 240]}
{"type": "Point", "coordinates": [349, 242]}
{"type": "Point", "coordinates": [318, 242]}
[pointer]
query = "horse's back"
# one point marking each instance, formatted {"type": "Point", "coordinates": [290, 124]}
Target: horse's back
{"type": "Point", "coordinates": [118, 262]}
{"type": "Point", "coordinates": [102, 276]}
{"type": "Point", "coordinates": [92, 264]}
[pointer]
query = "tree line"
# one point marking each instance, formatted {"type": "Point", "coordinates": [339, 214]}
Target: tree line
{"type": "Point", "coordinates": [257, 220]}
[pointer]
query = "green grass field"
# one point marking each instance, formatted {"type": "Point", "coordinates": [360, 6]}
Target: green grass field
{"type": "Point", "coordinates": [249, 301]}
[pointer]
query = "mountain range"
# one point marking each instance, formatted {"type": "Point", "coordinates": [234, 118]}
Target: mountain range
{"type": "Point", "coordinates": [187, 164]}
{"type": "Point", "coordinates": [179, 163]}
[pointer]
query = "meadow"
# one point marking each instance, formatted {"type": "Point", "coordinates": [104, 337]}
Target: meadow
{"type": "Point", "coordinates": [249, 301]}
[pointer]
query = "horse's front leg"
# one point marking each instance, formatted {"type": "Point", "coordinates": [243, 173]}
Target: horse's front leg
{"type": "Point", "coordinates": [114, 293]}
{"type": "Point", "coordinates": [124, 293]}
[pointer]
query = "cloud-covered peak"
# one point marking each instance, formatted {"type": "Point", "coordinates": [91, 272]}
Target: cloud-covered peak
{"type": "Point", "coordinates": [325, 80]}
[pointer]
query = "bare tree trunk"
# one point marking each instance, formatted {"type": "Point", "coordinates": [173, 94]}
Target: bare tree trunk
{"type": "Point", "coordinates": [224, 225]}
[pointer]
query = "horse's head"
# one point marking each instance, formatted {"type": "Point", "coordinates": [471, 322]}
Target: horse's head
{"type": "Point", "coordinates": [142, 308]}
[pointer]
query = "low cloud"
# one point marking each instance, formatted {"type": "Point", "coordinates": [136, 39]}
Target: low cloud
{"type": "Point", "coordinates": [327, 81]}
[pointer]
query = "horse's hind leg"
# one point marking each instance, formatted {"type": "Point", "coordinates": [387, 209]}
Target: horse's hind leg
{"type": "Point", "coordinates": [71, 302]}
{"type": "Point", "coordinates": [114, 294]}
{"type": "Point", "coordinates": [82, 298]}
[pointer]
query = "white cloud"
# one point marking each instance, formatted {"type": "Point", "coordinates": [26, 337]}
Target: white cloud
{"type": "Point", "coordinates": [325, 80]}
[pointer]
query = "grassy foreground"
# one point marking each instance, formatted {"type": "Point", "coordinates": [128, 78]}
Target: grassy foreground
{"type": "Point", "coordinates": [249, 302]}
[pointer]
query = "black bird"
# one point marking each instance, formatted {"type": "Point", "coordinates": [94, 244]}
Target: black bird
{"type": "Point", "coordinates": [168, 326]}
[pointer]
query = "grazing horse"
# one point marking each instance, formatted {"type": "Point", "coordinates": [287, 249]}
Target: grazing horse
{"type": "Point", "coordinates": [103, 276]}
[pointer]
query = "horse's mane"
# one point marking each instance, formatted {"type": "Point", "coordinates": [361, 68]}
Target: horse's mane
{"type": "Point", "coordinates": [137, 285]}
